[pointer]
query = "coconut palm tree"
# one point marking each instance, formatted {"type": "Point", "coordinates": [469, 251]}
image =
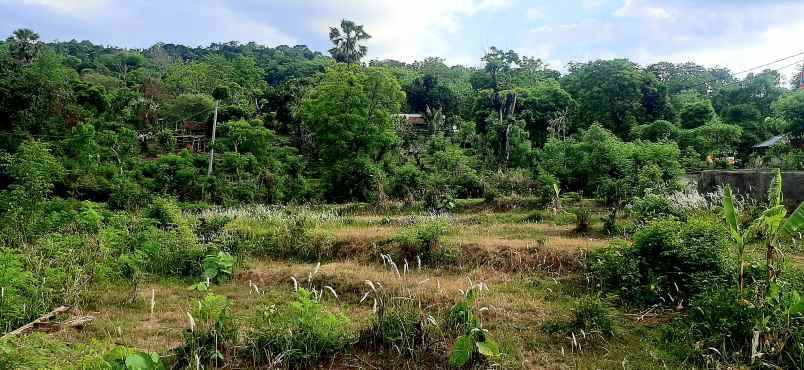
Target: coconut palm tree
{"type": "Point", "coordinates": [346, 40]}
{"type": "Point", "coordinates": [24, 45]}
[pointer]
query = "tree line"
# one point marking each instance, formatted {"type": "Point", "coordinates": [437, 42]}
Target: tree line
{"type": "Point", "coordinates": [298, 125]}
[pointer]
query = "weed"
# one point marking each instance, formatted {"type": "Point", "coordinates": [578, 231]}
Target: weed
{"type": "Point", "coordinates": [299, 334]}
{"type": "Point", "coordinates": [583, 218]}
{"type": "Point", "coordinates": [211, 333]}
{"type": "Point", "coordinates": [423, 241]}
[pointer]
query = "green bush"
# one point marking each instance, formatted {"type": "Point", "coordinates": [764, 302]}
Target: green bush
{"type": "Point", "coordinates": [583, 219]}
{"type": "Point", "coordinates": [669, 261]}
{"type": "Point", "coordinates": [591, 318]}
{"type": "Point", "coordinates": [301, 333]}
{"type": "Point", "coordinates": [17, 290]}
{"type": "Point", "coordinates": [650, 207]}
{"type": "Point", "coordinates": [422, 241]}
{"type": "Point", "coordinates": [729, 321]}
{"type": "Point", "coordinates": [212, 332]}
{"type": "Point", "coordinates": [401, 325]}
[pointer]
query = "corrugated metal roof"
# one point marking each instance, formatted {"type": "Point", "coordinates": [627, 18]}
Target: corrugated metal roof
{"type": "Point", "coordinates": [770, 142]}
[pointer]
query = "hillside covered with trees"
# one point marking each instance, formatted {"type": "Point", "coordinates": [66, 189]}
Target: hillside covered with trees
{"type": "Point", "coordinates": [250, 206]}
{"type": "Point", "coordinates": [296, 125]}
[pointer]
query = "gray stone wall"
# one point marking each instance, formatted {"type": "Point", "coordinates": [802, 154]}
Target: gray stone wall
{"type": "Point", "coordinates": [755, 183]}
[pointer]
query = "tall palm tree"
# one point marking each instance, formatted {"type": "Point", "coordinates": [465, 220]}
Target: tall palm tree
{"type": "Point", "coordinates": [24, 45]}
{"type": "Point", "coordinates": [346, 40]}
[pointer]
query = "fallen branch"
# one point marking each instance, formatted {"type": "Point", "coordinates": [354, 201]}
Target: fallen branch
{"type": "Point", "coordinates": [77, 322]}
{"type": "Point", "coordinates": [43, 323]}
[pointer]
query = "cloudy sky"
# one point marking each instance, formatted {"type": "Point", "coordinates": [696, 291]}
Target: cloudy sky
{"type": "Point", "coordinates": [738, 34]}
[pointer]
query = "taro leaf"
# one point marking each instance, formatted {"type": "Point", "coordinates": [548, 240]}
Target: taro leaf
{"type": "Point", "coordinates": [488, 348]}
{"type": "Point", "coordinates": [139, 361]}
{"type": "Point", "coordinates": [117, 354]}
{"type": "Point", "coordinates": [462, 351]}
{"type": "Point", "coordinates": [795, 223]}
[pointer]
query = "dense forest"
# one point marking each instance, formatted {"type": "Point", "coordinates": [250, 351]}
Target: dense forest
{"type": "Point", "coordinates": [127, 172]}
{"type": "Point", "coordinates": [296, 125]}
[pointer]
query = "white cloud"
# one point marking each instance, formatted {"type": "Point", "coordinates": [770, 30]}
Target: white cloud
{"type": "Point", "coordinates": [409, 30]}
{"type": "Point", "coordinates": [534, 14]}
{"type": "Point", "coordinates": [638, 8]}
{"type": "Point", "coordinates": [73, 7]}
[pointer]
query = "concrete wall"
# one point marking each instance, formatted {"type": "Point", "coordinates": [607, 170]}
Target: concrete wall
{"type": "Point", "coordinates": [755, 183]}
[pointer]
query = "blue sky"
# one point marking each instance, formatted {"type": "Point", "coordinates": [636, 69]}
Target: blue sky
{"type": "Point", "coordinates": [733, 33]}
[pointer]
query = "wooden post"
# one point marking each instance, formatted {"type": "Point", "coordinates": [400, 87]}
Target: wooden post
{"type": "Point", "coordinates": [212, 143]}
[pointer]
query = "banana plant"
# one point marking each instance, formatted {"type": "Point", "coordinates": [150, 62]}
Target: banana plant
{"type": "Point", "coordinates": [740, 237]}
{"type": "Point", "coordinates": [771, 222]}
{"type": "Point", "coordinates": [770, 225]}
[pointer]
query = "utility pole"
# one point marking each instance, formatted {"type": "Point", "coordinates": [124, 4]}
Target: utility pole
{"type": "Point", "coordinates": [801, 77]}
{"type": "Point", "coordinates": [212, 143]}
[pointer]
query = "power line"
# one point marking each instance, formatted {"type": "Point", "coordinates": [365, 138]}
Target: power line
{"type": "Point", "coordinates": [747, 80]}
{"type": "Point", "coordinates": [741, 72]}
{"type": "Point", "coordinates": [771, 63]}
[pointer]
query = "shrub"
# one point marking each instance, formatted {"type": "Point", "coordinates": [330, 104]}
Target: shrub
{"type": "Point", "coordinates": [218, 266]}
{"type": "Point", "coordinates": [400, 324]}
{"type": "Point", "coordinates": [299, 238]}
{"type": "Point", "coordinates": [583, 218]}
{"type": "Point", "coordinates": [301, 333]}
{"type": "Point", "coordinates": [438, 197]}
{"type": "Point", "coordinates": [17, 289]}
{"type": "Point", "coordinates": [616, 269]}
{"type": "Point", "coordinates": [592, 316]}
{"type": "Point", "coordinates": [669, 261]}
{"type": "Point", "coordinates": [407, 182]}
{"type": "Point", "coordinates": [534, 217]}
{"type": "Point", "coordinates": [513, 182]}
{"type": "Point", "coordinates": [212, 331]}
{"type": "Point", "coordinates": [476, 344]}
{"type": "Point", "coordinates": [650, 207]}
{"type": "Point", "coordinates": [422, 241]}
{"type": "Point", "coordinates": [170, 242]}
{"type": "Point", "coordinates": [739, 325]}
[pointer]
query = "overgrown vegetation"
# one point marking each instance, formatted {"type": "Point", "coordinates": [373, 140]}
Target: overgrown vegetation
{"type": "Point", "coordinates": [209, 176]}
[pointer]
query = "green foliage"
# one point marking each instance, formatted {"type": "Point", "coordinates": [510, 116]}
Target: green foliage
{"type": "Point", "coordinates": [791, 108]}
{"type": "Point", "coordinates": [616, 93]}
{"type": "Point", "coordinates": [669, 262]}
{"type": "Point", "coordinates": [583, 219]}
{"type": "Point", "coordinates": [592, 318]}
{"type": "Point", "coordinates": [350, 112]}
{"type": "Point", "coordinates": [401, 325]}
{"type": "Point", "coordinates": [743, 327]}
{"type": "Point", "coordinates": [592, 315]}
{"type": "Point", "coordinates": [657, 131]}
{"type": "Point", "coordinates": [713, 138]}
{"type": "Point", "coordinates": [212, 332]}
{"type": "Point", "coordinates": [423, 241]}
{"type": "Point", "coordinates": [599, 163]}
{"type": "Point", "coordinates": [16, 285]}
{"type": "Point", "coordinates": [696, 114]}
{"type": "Point", "coordinates": [301, 333]}
{"type": "Point", "coordinates": [476, 344]}
{"type": "Point", "coordinates": [650, 207]}
{"type": "Point", "coordinates": [122, 358]}
{"type": "Point", "coordinates": [218, 266]}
